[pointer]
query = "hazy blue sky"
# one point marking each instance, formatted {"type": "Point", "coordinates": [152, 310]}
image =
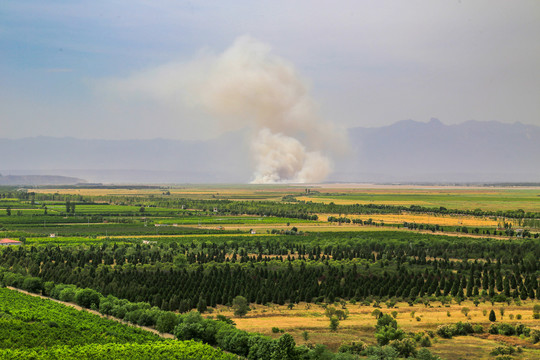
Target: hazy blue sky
{"type": "Point", "coordinates": [367, 63]}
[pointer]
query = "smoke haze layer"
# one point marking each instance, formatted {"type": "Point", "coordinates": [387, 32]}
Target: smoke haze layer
{"type": "Point", "coordinates": [248, 86]}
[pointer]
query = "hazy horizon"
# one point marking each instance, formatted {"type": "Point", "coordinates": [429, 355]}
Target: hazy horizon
{"type": "Point", "coordinates": [292, 78]}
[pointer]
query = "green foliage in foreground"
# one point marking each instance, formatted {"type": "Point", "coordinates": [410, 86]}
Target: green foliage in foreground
{"type": "Point", "coordinates": [27, 322]}
{"type": "Point", "coordinates": [171, 349]}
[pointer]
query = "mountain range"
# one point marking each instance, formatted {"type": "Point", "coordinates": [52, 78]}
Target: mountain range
{"type": "Point", "coordinates": [406, 151]}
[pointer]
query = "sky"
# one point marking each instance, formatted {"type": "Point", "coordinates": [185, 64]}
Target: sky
{"type": "Point", "coordinates": [65, 65]}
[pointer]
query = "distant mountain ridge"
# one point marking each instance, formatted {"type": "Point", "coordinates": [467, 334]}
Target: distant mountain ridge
{"type": "Point", "coordinates": [39, 180]}
{"type": "Point", "coordinates": [471, 151]}
{"type": "Point", "coordinates": [405, 151]}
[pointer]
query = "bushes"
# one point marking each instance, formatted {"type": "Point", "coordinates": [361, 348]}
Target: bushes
{"type": "Point", "coordinates": [387, 330]}
{"type": "Point", "coordinates": [404, 347]}
{"type": "Point", "coordinates": [449, 330]}
{"type": "Point", "coordinates": [509, 330]}
{"type": "Point", "coordinates": [67, 293]}
{"type": "Point", "coordinates": [503, 350]}
{"type": "Point", "coordinates": [355, 348]}
{"type": "Point", "coordinates": [166, 322]}
{"type": "Point", "coordinates": [13, 279]}
{"type": "Point", "coordinates": [87, 298]}
{"type": "Point", "coordinates": [445, 331]}
{"type": "Point", "coordinates": [32, 284]}
{"type": "Point", "coordinates": [535, 336]}
{"type": "Point", "coordinates": [425, 341]}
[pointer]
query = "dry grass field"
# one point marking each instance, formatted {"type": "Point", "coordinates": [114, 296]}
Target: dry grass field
{"type": "Point", "coordinates": [360, 325]}
{"type": "Point", "coordinates": [443, 220]}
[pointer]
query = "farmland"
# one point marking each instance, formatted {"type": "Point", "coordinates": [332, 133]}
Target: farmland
{"type": "Point", "coordinates": [36, 328]}
{"type": "Point", "coordinates": [302, 258]}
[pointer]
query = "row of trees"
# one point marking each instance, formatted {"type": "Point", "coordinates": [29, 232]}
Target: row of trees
{"type": "Point", "coordinates": [180, 286]}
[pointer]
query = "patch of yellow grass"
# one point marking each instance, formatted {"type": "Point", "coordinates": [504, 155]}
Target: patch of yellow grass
{"type": "Point", "coordinates": [360, 325]}
{"type": "Point", "coordinates": [443, 220]}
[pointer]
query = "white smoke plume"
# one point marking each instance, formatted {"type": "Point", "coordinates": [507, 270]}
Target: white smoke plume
{"type": "Point", "coordinates": [247, 85]}
{"type": "Point", "coordinates": [281, 158]}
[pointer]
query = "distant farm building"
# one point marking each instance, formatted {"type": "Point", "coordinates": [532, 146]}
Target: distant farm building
{"type": "Point", "coordinates": [6, 242]}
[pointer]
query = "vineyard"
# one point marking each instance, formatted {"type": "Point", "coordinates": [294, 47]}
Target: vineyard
{"type": "Point", "coordinates": [35, 328]}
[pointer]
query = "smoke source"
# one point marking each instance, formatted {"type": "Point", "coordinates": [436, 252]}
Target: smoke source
{"type": "Point", "coordinates": [290, 142]}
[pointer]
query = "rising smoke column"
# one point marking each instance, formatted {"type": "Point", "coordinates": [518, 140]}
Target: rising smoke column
{"type": "Point", "coordinates": [290, 142]}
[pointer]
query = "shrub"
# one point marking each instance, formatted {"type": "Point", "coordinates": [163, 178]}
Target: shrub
{"type": "Point", "coordinates": [146, 319]}
{"type": "Point", "coordinates": [13, 279]}
{"type": "Point", "coordinates": [386, 320]}
{"type": "Point", "coordinates": [225, 319]}
{"type": "Point", "coordinates": [166, 322]}
{"type": "Point", "coordinates": [478, 329]}
{"type": "Point", "coordinates": [506, 329]}
{"type": "Point", "coordinates": [190, 327]}
{"type": "Point", "coordinates": [67, 294]}
{"type": "Point", "coordinates": [425, 341]}
{"type": "Point", "coordinates": [463, 328]}
{"type": "Point", "coordinates": [404, 347]}
{"type": "Point", "coordinates": [535, 336]}
{"type": "Point", "coordinates": [381, 352]}
{"type": "Point", "coordinates": [119, 311]}
{"type": "Point", "coordinates": [445, 331]}
{"type": "Point", "coordinates": [32, 284]}
{"type": "Point", "coordinates": [388, 333]}
{"type": "Point", "coordinates": [355, 348]}
{"type": "Point", "coordinates": [425, 354]}
{"type": "Point", "coordinates": [87, 297]}
{"type": "Point", "coordinates": [518, 316]}
{"type": "Point", "coordinates": [275, 330]}
{"type": "Point", "coordinates": [503, 350]}
{"type": "Point", "coordinates": [523, 330]}
{"type": "Point", "coordinates": [449, 330]}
